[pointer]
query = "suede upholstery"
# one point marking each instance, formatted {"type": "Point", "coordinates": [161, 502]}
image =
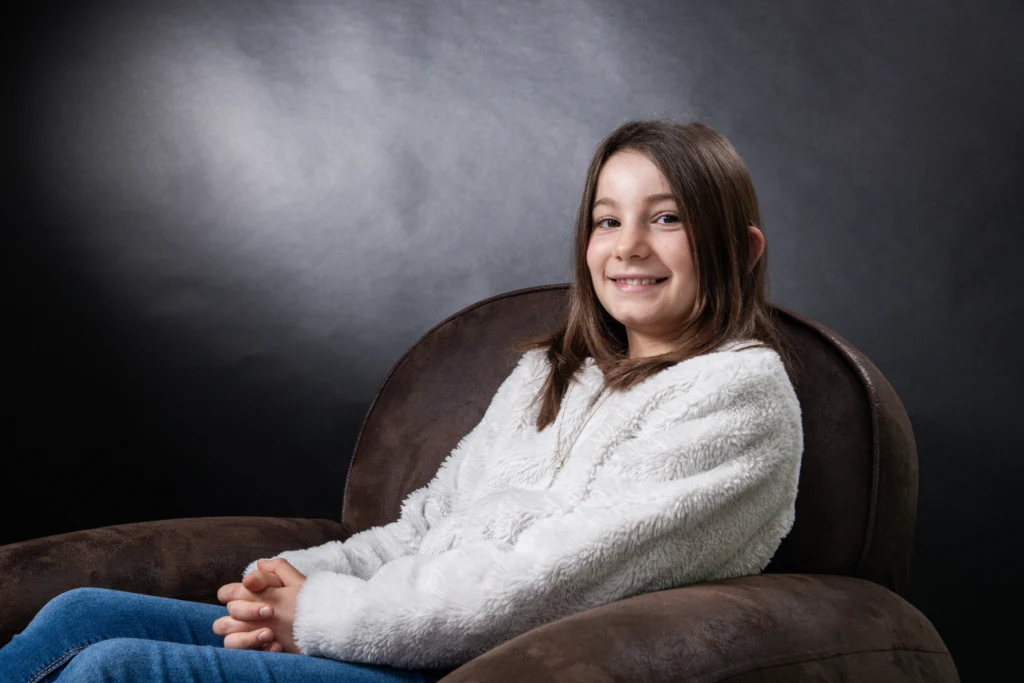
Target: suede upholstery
{"type": "Point", "coordinates": [827, 608]}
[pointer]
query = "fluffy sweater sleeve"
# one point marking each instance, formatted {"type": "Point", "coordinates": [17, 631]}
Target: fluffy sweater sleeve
{"type": "Point", "coordinates": [711, 495]}
{"type": "Point", "coordinates": [362, 554]}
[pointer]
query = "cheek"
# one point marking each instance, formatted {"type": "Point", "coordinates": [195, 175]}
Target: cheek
{"type": "Point", "coordinates": [680, 263]}
{"type": "Point", "coordinates": [594, 261]}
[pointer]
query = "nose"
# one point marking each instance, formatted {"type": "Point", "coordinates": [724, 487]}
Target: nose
{"type": "Point", "coordinates": [632, 241]}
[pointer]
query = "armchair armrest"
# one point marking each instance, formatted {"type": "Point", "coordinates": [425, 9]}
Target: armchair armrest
{"type": "Point", "coordinates": [766, 628]}
{"type": "Point", "coordinates": [188, 559]}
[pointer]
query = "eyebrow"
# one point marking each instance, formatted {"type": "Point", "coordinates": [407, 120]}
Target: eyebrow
{"type": "Point", "coordinates": [648, 199]}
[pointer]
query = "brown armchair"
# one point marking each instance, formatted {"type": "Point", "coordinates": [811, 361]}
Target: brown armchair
{"type": "Point", "coordinates": [827, 608]}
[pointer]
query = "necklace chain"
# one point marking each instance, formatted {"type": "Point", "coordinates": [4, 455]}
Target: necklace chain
{"type": "Point", "coordinates": [558, 445]}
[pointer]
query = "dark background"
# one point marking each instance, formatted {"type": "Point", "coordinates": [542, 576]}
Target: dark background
{"type": "Point", "coordinates": [227, 220]}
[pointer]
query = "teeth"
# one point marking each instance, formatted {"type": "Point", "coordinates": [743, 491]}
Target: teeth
{"type": "Point", "coordinates": [638, 282]}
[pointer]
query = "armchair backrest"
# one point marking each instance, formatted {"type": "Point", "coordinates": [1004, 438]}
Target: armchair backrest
{"type": "Point", "coordinates": [857, 500]}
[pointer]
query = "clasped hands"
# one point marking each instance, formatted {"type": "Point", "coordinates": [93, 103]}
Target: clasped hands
{"type": "Point", "coordinates": [261, 609]}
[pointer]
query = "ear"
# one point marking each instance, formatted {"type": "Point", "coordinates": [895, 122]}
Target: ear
{"type": "Point", "coordinates": [756, 246]}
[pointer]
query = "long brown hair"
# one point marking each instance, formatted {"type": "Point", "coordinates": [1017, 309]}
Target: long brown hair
{"type": "Point", "coordinates": [713, 190]}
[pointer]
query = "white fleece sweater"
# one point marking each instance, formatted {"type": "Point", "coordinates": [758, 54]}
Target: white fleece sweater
{"type": "Point", "coordinates": [689, 476]}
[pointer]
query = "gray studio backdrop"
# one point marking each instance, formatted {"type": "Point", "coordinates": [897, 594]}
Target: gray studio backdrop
{"type": "Point", "coordinates": [234, 217]}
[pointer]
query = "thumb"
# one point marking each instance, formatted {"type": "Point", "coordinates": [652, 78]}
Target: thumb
{"type": "Point", "coordinates": [289, 575]}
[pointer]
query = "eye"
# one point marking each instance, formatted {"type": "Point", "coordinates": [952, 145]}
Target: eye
{"type": "Point", "coordinates": [600, 223]}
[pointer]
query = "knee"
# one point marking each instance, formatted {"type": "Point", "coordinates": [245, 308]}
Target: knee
{"type": "Point", "coordinates": [117, 659]}
{"type": "Point", "coordinates": [76, 600]}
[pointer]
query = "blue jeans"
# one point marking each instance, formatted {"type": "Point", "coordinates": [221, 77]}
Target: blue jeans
{"type": "Point", "coordinates": [99, 634]}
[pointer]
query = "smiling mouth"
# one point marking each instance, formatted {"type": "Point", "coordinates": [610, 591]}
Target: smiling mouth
{"type": "Point", "coordinates": [626, 288]}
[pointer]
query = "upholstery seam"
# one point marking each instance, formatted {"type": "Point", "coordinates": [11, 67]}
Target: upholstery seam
{"type": "Point", "coordinates": [830, 656]}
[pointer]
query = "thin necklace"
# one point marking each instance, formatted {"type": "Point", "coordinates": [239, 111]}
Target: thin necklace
{"type": "Point", "coordinates": [561, 458]}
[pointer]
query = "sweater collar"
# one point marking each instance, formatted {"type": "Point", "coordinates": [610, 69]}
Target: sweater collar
{"type": "Point", "coordinates": [589, 365]}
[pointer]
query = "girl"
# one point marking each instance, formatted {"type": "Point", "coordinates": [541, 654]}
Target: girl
{"type": "Point", "coordinates": [652, 441]}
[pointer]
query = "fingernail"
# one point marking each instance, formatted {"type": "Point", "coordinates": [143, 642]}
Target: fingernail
{"type": "Point", "coordinates": [265, 636]}
{"type": "Point", "coordinates": [264, 611]}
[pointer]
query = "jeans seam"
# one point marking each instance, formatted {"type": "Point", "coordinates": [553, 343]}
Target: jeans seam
{"type": "Point", "coordinates": [40, 675]}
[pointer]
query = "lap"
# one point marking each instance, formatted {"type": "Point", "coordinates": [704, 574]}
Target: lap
{"type": "Point", "coordinates": [136, 659]}
{"type": "Point", "coordinates": [131, 637]}
{"type": "Point", "coordinates": [92, 614]}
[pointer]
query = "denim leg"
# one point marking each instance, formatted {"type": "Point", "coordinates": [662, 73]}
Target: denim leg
{"type": "Point", "coordinates": [77, 618]}
{"type": "Point", "coordinates": [100, 634]}
{"type": "Point", "coordinates": [133, 660]}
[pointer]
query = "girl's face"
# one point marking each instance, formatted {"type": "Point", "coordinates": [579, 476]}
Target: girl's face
{"type": "Point", "coordinates": [637, 233]}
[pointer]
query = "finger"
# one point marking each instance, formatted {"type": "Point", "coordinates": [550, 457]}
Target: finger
{"type": "Point", "coordinates": [225, 626]}
{"type": "Point", "coordinates": [289, 574]}
{"type": "Point", "coordinates": [274, 647]}
{"type": "Point", "coordinates": [243, 610]}
{"type": "Point", "coordinates": [255, 581]}
{"type": "Point", "coordinates": [250, 640]}
{"type": "Point", "coordinates": [236, 591]}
